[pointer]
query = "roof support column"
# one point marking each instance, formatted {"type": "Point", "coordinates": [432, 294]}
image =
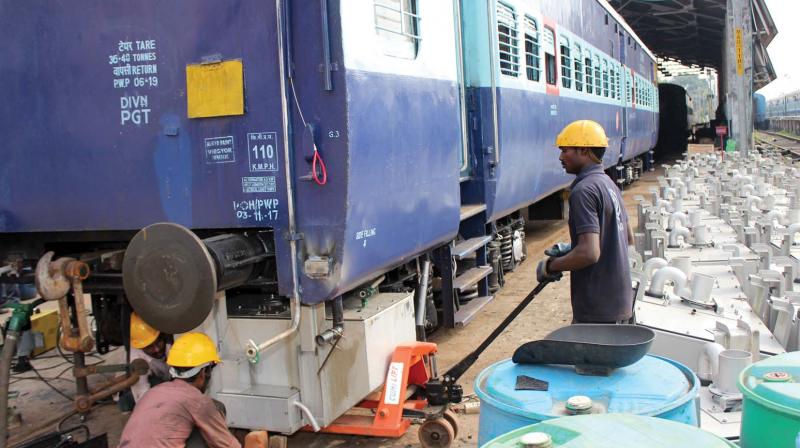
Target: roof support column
{"type": "Point", "coordinates": [738, 73]}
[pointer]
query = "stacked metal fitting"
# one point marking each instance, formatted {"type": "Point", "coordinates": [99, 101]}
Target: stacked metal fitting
{"type": "Point", "coordinates": [717, 266]}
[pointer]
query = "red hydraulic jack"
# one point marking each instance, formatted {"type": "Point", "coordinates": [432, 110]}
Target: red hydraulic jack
{"type": "Point", "coordinates": [411, 367]}
{"type": "Point", "coordinates": [413, 390]}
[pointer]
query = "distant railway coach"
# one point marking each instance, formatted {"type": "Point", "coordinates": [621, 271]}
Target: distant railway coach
{"type": "Point", "coordinates": [759, 111]}
{"type": "Point", "coordinates": [787, 105]}
{"type": "Point", "coordinates": [298, 156]}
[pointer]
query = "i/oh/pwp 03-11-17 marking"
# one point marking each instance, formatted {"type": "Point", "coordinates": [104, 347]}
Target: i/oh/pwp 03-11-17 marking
{"type": "Point", "coordinates": [257, 210]}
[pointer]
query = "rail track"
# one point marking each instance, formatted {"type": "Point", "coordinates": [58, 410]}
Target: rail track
{"type": "Point", "coordinates": [788, 145]}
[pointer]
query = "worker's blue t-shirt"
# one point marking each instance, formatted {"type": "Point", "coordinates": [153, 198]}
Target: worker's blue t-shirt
{"type": "Point", "coordinates": [601, 292]}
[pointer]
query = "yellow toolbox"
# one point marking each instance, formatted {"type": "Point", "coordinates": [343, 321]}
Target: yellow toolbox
{"type": "Point", "coordinates": [46, 324]}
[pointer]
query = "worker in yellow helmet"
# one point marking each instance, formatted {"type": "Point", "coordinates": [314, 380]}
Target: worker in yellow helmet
{"type": "Point", "coordinates": [151, 345]}
{"type": "Point", "coordinates": [178, 413]}
{"type": "Point", "coordinates": [597, 257]}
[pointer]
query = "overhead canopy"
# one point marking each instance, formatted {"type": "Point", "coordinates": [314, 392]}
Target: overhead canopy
{"type": "Point", "coordinates": [693, 31]}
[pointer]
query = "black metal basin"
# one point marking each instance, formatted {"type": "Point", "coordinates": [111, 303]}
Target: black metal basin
{"type": "Point", "coordinates": [594, 348]}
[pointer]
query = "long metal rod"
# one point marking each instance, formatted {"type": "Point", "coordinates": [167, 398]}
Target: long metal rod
{"type": "Point", "coordinates": [493, 67]}
{"type": "Point", "coordinates": [422, 297]}
{"type": "Point", "coordinates": [252, 350]}
{"type": "Point", "coordinates": [326, 46]}
{"type": "Point", "coordinates": [457, 370]}
{"type": "Point", "coordinates": [462, 85]}
{"type": "Point", "coordinates": [9, 349]}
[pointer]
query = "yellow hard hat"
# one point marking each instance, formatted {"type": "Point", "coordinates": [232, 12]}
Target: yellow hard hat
{"type": "Point", "coordinates": [142, 334]}
{"type": "Point", "coordinates": [192, 350]}
{"type": "Point", "coordinates": [582, 134]}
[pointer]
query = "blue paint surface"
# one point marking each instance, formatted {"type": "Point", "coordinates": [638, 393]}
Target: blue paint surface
{"type": "Point", "coordinates": [529, 168]}
{"type": "Point", "coordinates": [653, 386]}
{"type": "Point", "coordinates": [528, 121]}
{"type": "Point", "coordinates": [72, 164]}
{"type": "Point", "coordinates": [391, 144]}
{"type": "Point", "coordinates": [402, 184]}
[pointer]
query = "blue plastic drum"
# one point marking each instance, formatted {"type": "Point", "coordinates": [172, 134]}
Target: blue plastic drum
{"type": "Point", "coordinates": [653, 386]}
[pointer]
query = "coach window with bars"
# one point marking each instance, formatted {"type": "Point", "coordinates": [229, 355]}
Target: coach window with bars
{"type": "Point", "coordinates": [638, 89]}
{"type": "Point", "coordinates": [550, 56]}
{"type": "Point", "coordinates": [587, 64]}
{"type": "Point", "coordinates": [598, 80]}
{"type": "Point", "coordinates": [397, 25]}
{"type": "Point", "coordinates": [577, 55]}
{"type": "Point", "coordinates": [532, 60]}
{"type": "Point", "coordinates": [628, 87]}
{"type": "Point", "coordinates": [605, 78]}
{"type": "Point", "coordinates": [612, 79]}
{"type": "Point", "coordinates": [507, 38]}
{"type": "Point", "coordinates": [644, 94]}
{"type": "Point", "coordinates": [643, 91]}
{"type": "Point", "coordinates": [566, 63]}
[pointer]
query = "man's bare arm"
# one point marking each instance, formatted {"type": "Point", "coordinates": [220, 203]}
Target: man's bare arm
{"type": "Point", "coordinates": [585, 254]}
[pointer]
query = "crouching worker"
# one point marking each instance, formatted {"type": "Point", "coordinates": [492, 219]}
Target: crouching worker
{"type": "Point", "coordinates": [151, 345]}
{"type": "Point", "coordinates": [178, 413]}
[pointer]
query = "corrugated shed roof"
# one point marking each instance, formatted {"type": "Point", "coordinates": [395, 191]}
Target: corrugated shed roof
{"type": "Point", "coordinates": [693, 31]}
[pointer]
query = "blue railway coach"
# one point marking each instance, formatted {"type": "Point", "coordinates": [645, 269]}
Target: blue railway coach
{"type": "Point", "coordinates": [348, 138]}
{"type": "Point", "coordinates": [786, 105]}
{"type": "Point", "coordinates": [759, 111]}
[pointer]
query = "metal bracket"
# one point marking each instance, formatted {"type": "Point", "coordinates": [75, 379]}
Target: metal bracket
{"type": "Point", "coordinates": [296, 236]}
{"type": "Point", "coordinates": [211, 59]}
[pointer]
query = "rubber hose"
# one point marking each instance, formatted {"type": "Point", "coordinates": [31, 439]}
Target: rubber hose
{"type": "Point", "coordinates": [9, 349]}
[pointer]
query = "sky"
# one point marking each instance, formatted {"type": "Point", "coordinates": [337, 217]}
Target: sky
{"type": "Point", "coordinates": [783, 49]}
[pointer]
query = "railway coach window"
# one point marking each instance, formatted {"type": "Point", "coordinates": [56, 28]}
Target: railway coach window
{"type": "Point", "coordinates": [605, 78]}
{"type": "Point", "coordinates": [614, 80]}
{"type": "Point", "coordinates": [507, 38]}
{"type": "Point", "coordinates": [598, 80]}
{"type": "Point", "coordinates": [628, 87]}
{"type": "Point", "coordinates": [588, 70]}
{"type": "Point", "coordinates": [532, 60]}
{"type": "Point", "coordinates": [397, 24]}
{"type": "Point", "coordinates": [566, 63]}
{"type": "Point", "coordinates": [550, 56]}
{"type": "Point", "coordinates": [578, 68]}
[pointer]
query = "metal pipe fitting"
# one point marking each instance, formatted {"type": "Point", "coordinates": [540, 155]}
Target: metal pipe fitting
{"type": "Point", "coordinates": [668, 193]}
{"type": "Point", "coordinates": [652, 265]}
{"type": "Point", "coordinates": [680, 187]}
{"type": "Point", "coordinates": [677, 205]}
{"type": "Point", "coordinates": [677, 216]}
{"type": "Point", "coordinates": [668, 274]}
{"type": "Point", "coordinates": [677, 232]}
{"type": "Point", "coordinates": [748, 203]}
{"type": "Point", "coordinates": [708, 361]}
{"type": "Point", "coordinates": [747, 190]}
{"type": "Point", "coordinates": [788, 239]}
{"type": "Point", "coordinates": [335, 332]}
{"type": "Point", "coordinates": [422, 294]}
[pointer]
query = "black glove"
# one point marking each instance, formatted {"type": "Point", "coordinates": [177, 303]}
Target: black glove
{"type": "Point", "coordinates": [542, 273]}
{"type": "Point", "coordinates": [559, 249]}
